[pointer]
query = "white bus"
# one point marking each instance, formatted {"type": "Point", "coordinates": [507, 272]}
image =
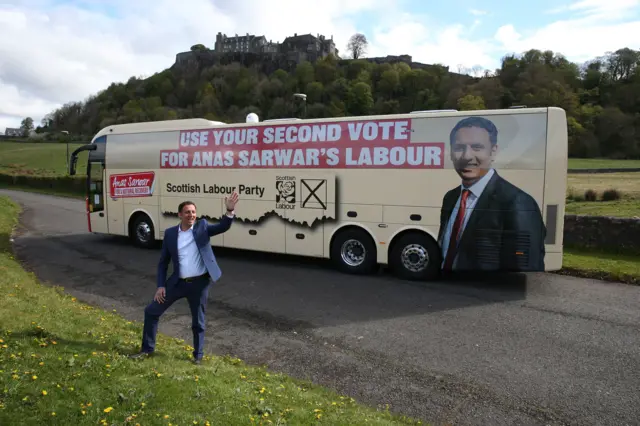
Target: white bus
{"type": "Point", "coordinates": [421, 192]}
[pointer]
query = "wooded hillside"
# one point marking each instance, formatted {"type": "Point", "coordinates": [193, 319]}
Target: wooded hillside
{"type": "Point", "coordinates": [602, 97]}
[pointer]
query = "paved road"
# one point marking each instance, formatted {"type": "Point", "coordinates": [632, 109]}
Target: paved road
{"type": "Point", "coordinates": [545, 350]}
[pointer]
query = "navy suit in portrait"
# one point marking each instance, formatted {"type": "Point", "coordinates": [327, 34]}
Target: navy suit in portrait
{"type": "Point", "coordinates": [196, 291]}
{"type": "Point", "coordinates": [505, 230]}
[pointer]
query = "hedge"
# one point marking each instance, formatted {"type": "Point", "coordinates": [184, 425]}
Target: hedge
{"type": "Point", "coordinates": [64, 184]}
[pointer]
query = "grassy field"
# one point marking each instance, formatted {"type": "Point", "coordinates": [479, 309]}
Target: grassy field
{"type": "Point", "coordinates": [604, 266]}
{"type": "Point", "coordinates": [42, 159]}
{"type": "Point", "coordinates": [49, 158]}
{"type": "Point", "coordinates": [628, 184]}
{"type": "Point", "coordinates": [64, 363]}
{"type": "Point", "coordinates": [602, 163]}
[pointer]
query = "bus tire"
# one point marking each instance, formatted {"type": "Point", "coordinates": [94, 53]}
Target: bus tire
{"type": "Point", "coordinates": [354, 252]}
{"type": "Point", "coordinates": [415, 256]}
{"type": "Point", "coordinates": [142, 232]}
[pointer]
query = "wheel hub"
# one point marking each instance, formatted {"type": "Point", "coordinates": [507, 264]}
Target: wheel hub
{"type": "Point", "coordinates": [143, 232]}
{"type": "Point", "coordinates": [414, 257]}
{"type": "Point", "coordinates": [353, 252]}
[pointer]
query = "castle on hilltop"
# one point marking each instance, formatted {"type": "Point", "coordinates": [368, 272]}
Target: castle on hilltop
{"type": "Point", "coordinates": [251, 49]}
{"type": "Point", "coordinates": [296, 49]}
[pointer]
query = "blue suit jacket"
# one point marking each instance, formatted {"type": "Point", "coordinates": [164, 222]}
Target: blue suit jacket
{"type": "Point", "coordinates": [202, 233]}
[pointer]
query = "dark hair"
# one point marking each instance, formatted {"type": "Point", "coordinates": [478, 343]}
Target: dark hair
{"type": "Point", "coordinates": [480, 122]}
{"type": "Point", "coordinates": [185, 203]}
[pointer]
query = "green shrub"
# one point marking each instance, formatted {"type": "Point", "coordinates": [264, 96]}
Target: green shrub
{"type": "Point", "coordinates": [590, 195]}
{"type": "Point", "coordinates": [611, 195]}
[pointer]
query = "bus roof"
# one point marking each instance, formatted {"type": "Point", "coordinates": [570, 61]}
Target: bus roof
{"type": "Point", "coordinates": [158, 126]}
{"type": "Point", "coordinates": [201, 123]}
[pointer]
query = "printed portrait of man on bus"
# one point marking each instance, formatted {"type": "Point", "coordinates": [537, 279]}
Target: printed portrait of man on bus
{"type": "Point", "coordinates": [487, 223]}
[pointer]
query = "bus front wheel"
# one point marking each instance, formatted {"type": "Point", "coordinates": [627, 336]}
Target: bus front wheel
{"type": "Point", "coordinates": [354, 252]}
{"type": "Point", "coordinates": [415, 256]}
{"type": "Point", "coordinates": [142, 231]}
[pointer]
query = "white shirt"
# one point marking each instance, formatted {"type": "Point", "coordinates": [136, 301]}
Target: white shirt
{"type": "Point", "coordinates": [191, 263]}
{"type": "Point", "coordinates": [475, 191]}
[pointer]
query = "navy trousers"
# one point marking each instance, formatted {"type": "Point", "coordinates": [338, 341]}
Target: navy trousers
{"type": "Point", "coordinates": [196, 292]}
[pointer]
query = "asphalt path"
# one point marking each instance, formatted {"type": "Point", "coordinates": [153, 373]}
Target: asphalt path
{"type": "Point", "coordinates": [540, 349]}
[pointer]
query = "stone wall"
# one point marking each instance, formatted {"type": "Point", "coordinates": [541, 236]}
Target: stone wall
{"type": "Point", "coordinates": [606, 233]}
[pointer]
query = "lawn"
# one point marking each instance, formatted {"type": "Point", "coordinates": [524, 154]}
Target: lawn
{"type": "Point", "coordinates": [628, 184]}
{"type": "Point", "coordinates": [46, 159]}
{"type": "Point", "coordinates": [41, 159]}
{"type": "Point", "coordinates": [602, 163]}
{"type": "Point", "coordinates": [606, 266]}
{"type": "Point", "coordinates": [64, 363]}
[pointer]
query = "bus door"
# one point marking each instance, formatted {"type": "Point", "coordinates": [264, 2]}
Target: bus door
{"type": "Point", "coordinates": [96, 196]}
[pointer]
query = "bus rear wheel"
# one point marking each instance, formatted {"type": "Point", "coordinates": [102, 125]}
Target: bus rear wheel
{"type": "Point", "coordinates": [354, 252]}
{"type": "Point", "coordinates": [415, 256]}
{"type": "Point", "coordinates": [142, 232]}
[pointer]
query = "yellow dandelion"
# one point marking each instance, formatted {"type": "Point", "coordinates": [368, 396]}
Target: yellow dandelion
{"type": "Point", "coordinates": [108, 409]}
{"type": "Point", "coordinates": [34, 377]}
{"type": "Point", "coordinates": [53, 414]}
{"type": "Point", "coordinates": [41, 363]}
{"type": "Point", "coordinates": [44, 392]}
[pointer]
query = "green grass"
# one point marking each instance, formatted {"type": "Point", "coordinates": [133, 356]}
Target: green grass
{"type": "Point", "coordinates": [601, 265]}
{"type": "Point", "coordinates": [57, 193]}
{"type": "Point", "coordinates": [602, 163]}
{"type": "Point", "coordinates": [619, 208]}
{"type": "Point", "coordinates": [628, 184]}
{"type": "Point", "coordinates": [64, 363]}
{"type": "Point", "coordinates": [40, 159]}
{"type": "Point", "coordinates": [46, 159]}
{"type": "Point", "coordinates": [49, 159]}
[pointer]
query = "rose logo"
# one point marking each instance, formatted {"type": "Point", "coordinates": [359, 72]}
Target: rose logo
{"type": "Point", "coordinates": [286, 191]}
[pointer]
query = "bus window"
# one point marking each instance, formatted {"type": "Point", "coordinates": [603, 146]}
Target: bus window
{"type": "Point", "coordinates": [96, 195]}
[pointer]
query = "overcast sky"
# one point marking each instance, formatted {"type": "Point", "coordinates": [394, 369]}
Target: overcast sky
{"type": "Point", "coordinates": [57, 51]}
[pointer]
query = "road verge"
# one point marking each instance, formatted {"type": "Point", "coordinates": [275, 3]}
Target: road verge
{"type": "Point", "coordinates": [64, 362]}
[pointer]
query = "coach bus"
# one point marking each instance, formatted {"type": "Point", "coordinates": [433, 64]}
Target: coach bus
{"type": "Point", "coordinates": [421, 192]}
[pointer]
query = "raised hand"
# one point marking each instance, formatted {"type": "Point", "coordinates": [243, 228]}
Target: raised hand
{"type": "Point", "coordinates": [231, 201]}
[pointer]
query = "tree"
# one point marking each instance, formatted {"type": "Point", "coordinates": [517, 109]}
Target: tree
{"type": "Point", "coordinates": [601, 97]}
{"type": "Point", "coordinates": [26, 126]}
{"type": "Point", "coordinates": [357, 45]}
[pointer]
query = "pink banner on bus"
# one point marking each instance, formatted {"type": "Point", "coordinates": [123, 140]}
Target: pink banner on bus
{"type": "Point", "coordinates": [132, 184]}
{"type": "Point", "coordinates": [379, 144]}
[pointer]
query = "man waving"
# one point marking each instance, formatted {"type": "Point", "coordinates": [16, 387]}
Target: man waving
{"type": "Point", "coordinates": [188, 247]}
